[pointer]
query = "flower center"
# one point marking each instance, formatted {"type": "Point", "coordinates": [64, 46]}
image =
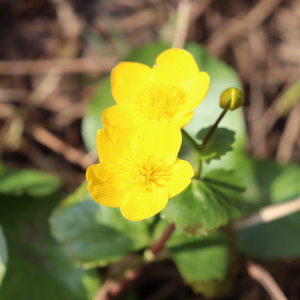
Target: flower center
{"type": "Point", "coordinates": [143, 174]}
{"type": "Point", "coordinates": [160, 102]}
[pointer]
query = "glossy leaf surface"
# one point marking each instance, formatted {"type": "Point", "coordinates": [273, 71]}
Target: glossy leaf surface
{"type": "Point", "coordinates": [203, 262]}
{"type": "Point", "coordinates": [37, 267]}
{"type": "Point", "coordinates": [31, 182]}
{"type": "Point", "coordinates": [93, 234]}
{"type": "Point", "coordinates": [218, 145]}
{"type": "Point", "coordinates": [208, 203]}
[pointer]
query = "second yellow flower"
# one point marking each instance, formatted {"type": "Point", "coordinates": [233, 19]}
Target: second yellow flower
{"type": "Point", "coordinates": [168, 92]}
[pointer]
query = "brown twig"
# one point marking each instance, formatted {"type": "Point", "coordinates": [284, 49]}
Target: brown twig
{"type": "Point", "coordinates": [290, 135]}
{"type": "Point", "coordinates": [277, 75]}
{"type": "Point", "coordinates": [104, 289]}
{"type": "Point", "coordinates": [49, 140]}
{"type": "Point", "coordinates": [70, 23]}
{"type": "Point", "coordinates": [182, 23]}
{"type": "Point", "coordinates": [6, 111]}
{"type": "Point", "coordinates": [198, 8]}
{"type": "Point", "coordinates": [279, 107]}
{"type": "Point", "coordinates": [238, 26]}
{"type": "Point", "coordinates": [268, 214]}
{"type": "Point", "coordinates": [140, 19]}
{"type": "Point", "coordinates": [257, 128]}
{"type": "Point", "coordinates": [260, 274]}
{"type": "Point", "coordinates": [11, 95]}
{"type": "Point", "coordinates": [79, 65]}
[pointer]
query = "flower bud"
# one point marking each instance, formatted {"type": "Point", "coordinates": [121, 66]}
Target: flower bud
{"type": "Point", "coordinates": [232, 99]}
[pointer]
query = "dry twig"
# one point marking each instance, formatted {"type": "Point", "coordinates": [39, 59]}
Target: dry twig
{"type": "Point", "coordinates": [277, 75]}
{"type": "Point", "coordinates": [258, 141]}
{"type": "Point", "coordinates": [140, 19]}
{"type": "Point", "coordinates": [260, 274]}
{"type": "Point", "coordinates": [268, 214]}
{"type": "Point", "coordinates": [79, 65]}
{"type": "Point", "coordinates": [218, 42]}
{"type": "Point", "coordinates": [290, 135]}
{"type": "Point", "coordinates": [182, 23]}
{"type": "Point", "coordinates": [10, 95]}
{"type": "Point", "coordinates": [57, 145]}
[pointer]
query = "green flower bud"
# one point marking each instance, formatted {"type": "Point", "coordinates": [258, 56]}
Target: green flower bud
{"type": "Point", "coordinates": [232, 99]}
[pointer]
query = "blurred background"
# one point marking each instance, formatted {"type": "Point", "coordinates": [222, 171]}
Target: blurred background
{"type": "Point", "coordinates": [53, 54]}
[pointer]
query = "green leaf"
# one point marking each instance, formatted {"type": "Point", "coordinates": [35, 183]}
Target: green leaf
{"type": "Point", "coordinates": [207, 204]}
{"type": "Point", "coordinates": [2, 168]}
{"type": "Point", "coordinates": [280, 238]}
{"type": "Point", "coordinates": [274, 240]}
{"type": "Point", "coordinates": [219, 143]}
{"type": "Point", "coordinates": [3, 255]}
{"type": "Point", "coordinates": [31, 182]}
{"type": "Point", "coordinates": [93, 234]}
{"type": "Point", "coordinates": [37, 267]}
{"type": "Point", "coordinates": [203, 262]}
{"type": "Point", "coordinates": [286, 186]}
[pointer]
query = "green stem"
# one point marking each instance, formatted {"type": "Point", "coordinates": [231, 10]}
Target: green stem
{"type": "Point", "coordinates": [199, 167]}
{"type": "Point", "coordinates": [196, 148]}
{"type": "Point", "coordinates": [212, 130]}
{"type": "Point", "coordinates": [190, 139]}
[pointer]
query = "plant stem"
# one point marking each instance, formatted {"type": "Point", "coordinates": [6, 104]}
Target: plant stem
{"type": "Point", "coordinates": [196, 148]}
{"type": "Point", "coordinates": [190, 139]}
{"type": "Point", "coordinates": [212, 130]}
{"type": "Point", "coordinates": [118, 287]}
{"type": "Point", "coordinates": [158, 246]}
{"type": "Point", "coordinates": [199, 166]}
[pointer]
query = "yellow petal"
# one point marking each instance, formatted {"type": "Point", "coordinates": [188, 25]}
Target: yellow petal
{"type": "Point", "coordinates": [160, 142]}
{"type": "Point", "coordinates": [196, 89]}
{"type": "Point", "coordinates": [124, 115]}
{"type": "Point", "coordinates": [128, 79]}
{"type": "Point", "coordinates": [178, 179]}
{"type": "Point", "coordinates": [140, 205]}
{"type": "Point", "coordinates": [114, 144]}
{"type": "Point", "coordinates": [182, 121]}
{"type": "Point", "coordinates": [175, 66]}
{"type": "Point", "coordinates": [105, 186]}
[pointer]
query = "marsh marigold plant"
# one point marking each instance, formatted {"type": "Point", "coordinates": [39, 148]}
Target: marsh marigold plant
{"type": "Point", "coordinates": [138, 170]}
{"type": "Point", "coordinates": [168, 92]}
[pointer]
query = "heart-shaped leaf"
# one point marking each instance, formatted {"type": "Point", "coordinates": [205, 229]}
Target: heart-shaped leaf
{"type": "Point", "coordinates": [219, 143]}
{"type": "Point", "coordinates": [31, 182]}
{"type": "Point", "coordinates": [208, 203]}
{"type": "Point", "coordinates": [93, 234]}
{"type": "Point", "coordinates": [203, 262]}
{"type": "Point", "coordinates": [37, 267]}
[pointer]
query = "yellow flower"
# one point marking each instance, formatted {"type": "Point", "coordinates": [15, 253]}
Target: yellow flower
{"type": "Point", "coordinates": [168, 92]}
{"type": "Point", "coordinates": [138, 170]}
